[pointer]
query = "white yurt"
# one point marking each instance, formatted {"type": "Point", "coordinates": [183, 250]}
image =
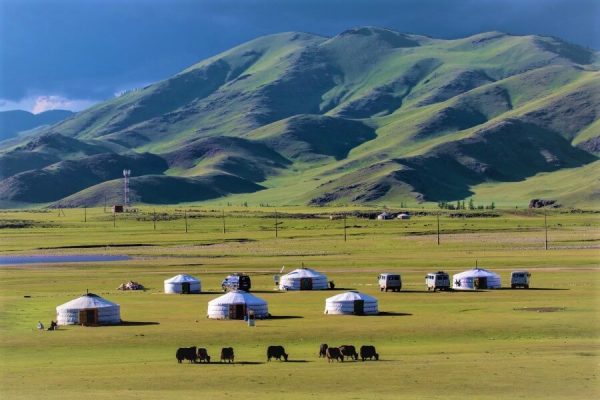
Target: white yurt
{"type": "Point", "coordinates": [89, 309]}
{"type": "Point", "coordinates": [182, 283]}
{"type": "Point", "coordinates": [303, 279]}
{"type": "Point", "coordinates": [476, 278]}
{"type": "Point", "coordinates": [236, 305]}
{"type": "Point", "coordinates": [351, 303]}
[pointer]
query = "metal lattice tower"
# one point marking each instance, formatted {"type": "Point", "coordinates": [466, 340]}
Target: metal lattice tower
{"type": "Point", "coordinates": [126, 175]}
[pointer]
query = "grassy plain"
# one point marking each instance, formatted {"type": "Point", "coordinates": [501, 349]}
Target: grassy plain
{"type": "Point", "coordinates": [432, 345]}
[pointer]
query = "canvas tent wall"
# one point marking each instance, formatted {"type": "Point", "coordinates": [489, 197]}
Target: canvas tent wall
{"type": "Point", "coordinates": [351, 303]}
{"type": "Point", "coordinates": [303, 279]}
{"type": "Point", "coordinates": [237, 304]}
{"type": "Point", "coordinates": [183, 284]}
{"type": "Point", "coordinates": [476, 278]}
{"type": "Point", "coordinates": [89, 309]}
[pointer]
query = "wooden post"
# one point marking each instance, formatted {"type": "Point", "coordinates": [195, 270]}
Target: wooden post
{"type": "Point", "coordinates": [546, 231]}
{"type": "Point", "coordinates": [114, 219]}
{"type": "Point", "coordinates": [154, 219]}
{"type": "Point", "coordinates": [344, 227]}
{"type": "Point", "coordinates": [84, 213]}
{"type": "Point", "coordinates": [104, 203]}
{"type": "Point", "coordinates": [438, 229]}
{"type": "Point", "coordinates": [185, 218]}
{"type": "Point", "coordinates": [276, 223]}
{"type": "Point", "coordinates": [223, 217]}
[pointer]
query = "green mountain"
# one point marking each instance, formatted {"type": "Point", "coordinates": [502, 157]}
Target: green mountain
{"type": "Point", "coordinates": [15, 121]}
{"type": "Point", "coordinates": [368, 116]}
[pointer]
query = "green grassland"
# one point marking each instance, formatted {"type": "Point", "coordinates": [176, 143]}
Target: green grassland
{"type": "Point", "coordinates": [432, 345]}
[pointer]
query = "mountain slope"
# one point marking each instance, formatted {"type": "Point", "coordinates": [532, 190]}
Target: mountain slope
{"type": "Point", "coordinates": [15, 121]}
{"type": "Point", "coordinates": [369, 115]}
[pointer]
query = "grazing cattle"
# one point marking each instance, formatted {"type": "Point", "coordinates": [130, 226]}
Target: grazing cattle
{"type": "Point", "coordinates": [186, 353]}
{"type": "Point", "coordinates": [227, 354]}
{"type": "Point", "coordinates": [333, 353]}
{"type": "Point", "coordinates": [368, 352]}
{"type": "Point", "coordinates": [276, 352]}
{"type": "Point", "coordinates": [323, 350]}
{"type": "Point", "coordinates": [203, 355]}
{"type": "Point", "coordinates": [349, 351]}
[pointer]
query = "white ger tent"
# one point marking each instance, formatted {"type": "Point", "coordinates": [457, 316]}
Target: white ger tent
{"type": "Point", "coordinates": [303, 279]}
{"type": "Point", "coordinates": [89, 309]}
{"type": "Point", "coordinates": [352, 302]}
{"type": "Point", "coordinates": [237, 304]}
{"type": "Point", "coordinates": [182, 284]}
{"type": "Point", "coordinates": [476, 278]}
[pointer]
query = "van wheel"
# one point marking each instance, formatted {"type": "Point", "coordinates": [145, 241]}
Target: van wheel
{"type": "Point", "coordinates": [512, 286]}
{"type": "Point", "coordinates": [526, 286]}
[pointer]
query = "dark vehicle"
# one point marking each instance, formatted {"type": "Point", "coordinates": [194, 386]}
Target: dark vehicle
{"type": "Point", "coordinates": [236, 282]}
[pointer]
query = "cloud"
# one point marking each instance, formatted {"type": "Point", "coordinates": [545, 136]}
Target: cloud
{"type": "Point", "coordinates": [38, 104]}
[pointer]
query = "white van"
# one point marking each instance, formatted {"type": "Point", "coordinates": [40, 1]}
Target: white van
{"type": "Point", "coordinates": [437, 281]}
{"type": "Point", "coordinates": [519, 279]}
{"type": "Point", "coordinates": [391, 282]}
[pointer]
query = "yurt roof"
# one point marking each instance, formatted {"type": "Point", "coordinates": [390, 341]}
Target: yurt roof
{"type": "Point", "coordinates": [476, 272]}
{"type": "Point", "coordinates": [237, 297]}
{"type": "Point", "coordinates": [304, 273]}
{"type": "Point", "coordinates": [182, 278]}
{"type": "Point", "coordinates": [89, 300]}
{"type": "Point", "coordinates": [351, 296]}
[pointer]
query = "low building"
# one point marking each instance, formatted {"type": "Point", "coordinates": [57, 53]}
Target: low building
{"type": "Point", "coordinates": [237, 304]}
{"type": "Point", "coordinates": [351, 303]}
{"type": "Point", "coordinates": [89, 310]}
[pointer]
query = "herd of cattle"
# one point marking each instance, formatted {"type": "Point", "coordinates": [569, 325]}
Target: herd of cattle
{"type": "Point", "coordinates": [199, 355]}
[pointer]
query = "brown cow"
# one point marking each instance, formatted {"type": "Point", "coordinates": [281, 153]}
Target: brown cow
{"type": "Point", "coordinates": [276, 352]}
{"type": "Point", "coordinates": [323, 350]}
{"type": "Point", "coordinates": [368, 352]}
{"type": "Point", "coordinates": [227, 354]}
{"type": "Point", "coordinates": [203, 355]}
{"type": "Point", "coordinates": [333, 353]}
{"type": "Point", "coordinates": [186, 353]}
{"type": "Point", "coordinates": [349, 351]}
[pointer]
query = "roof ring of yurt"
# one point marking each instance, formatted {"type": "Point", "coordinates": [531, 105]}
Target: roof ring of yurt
{"type": "Point", "coordinates": [237, 304]}
{"type": "Point", "coordinates": [182, 284]}
{"type": "Point", "coordinates": [90, 310]}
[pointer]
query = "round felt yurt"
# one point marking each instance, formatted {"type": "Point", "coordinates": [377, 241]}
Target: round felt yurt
{"type": "Point", "coordinates": [303, 279]}
{"type": "Point", "coordinates": [90, 310]}
{"type": "Point", "coordinates": [476, 278]}
{"type": "Point", "coordinates": [183, 284]}
{"type": "Point", "coordinates": [351, 303]}
{"type": "Point", "coordinates": [236, 305]}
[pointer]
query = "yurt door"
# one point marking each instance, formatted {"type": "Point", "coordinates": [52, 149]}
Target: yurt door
{"type": "Point", "coordinates": [88, 317]}
{"type": "Point", "coordinates": [306, 284]}
{"type": "Point", "coordinates": [185, 288]}
{"type": "Point", "coordinates": [237, 311]}
{"type": "Point", "coordinates": [359, 307]}
{"type": "Point", "coordinates": [480, 283]}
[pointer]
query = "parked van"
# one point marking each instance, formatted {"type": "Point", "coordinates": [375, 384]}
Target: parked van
{"type": "Point", "coordinates": [519, 279]}
{"type": "Point", "coordinates": [391, 282]}
{"type": "Point", "coordinates": [236, 282]}
{"type": "Point", "coordinates": [437, 281]}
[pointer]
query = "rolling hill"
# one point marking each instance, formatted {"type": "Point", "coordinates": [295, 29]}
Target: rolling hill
{"type": "Point", "coordinates": [368, 116]}
{"type": "Point", "coordinates": [15, 121]}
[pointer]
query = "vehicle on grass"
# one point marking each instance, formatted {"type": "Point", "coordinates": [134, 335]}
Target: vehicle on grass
{"type": "Point", "coordinates": [437, 281]}
{"type": "Point", "coordinates": [236, 282]}
{"type": "Point", "coordinates": [388, 281]}
{"type": "Point", "coordinates": [519, 279]}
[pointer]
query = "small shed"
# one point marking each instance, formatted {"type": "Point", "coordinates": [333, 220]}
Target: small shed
{"type": "Point", "coordinates": [90, 310]}
{"type": "Point", "coordinates": [117, 208]}
{"type": "Point", "coordinates": [351, 303]}
{"type": "Point", "coordinates": [236, 305]}
{"type": "Point", "coordinates": [303, 279]}
{"type": "Point", "coordinates": [183, 284]}
{"type": "Point", "coordinates": [476, 278]}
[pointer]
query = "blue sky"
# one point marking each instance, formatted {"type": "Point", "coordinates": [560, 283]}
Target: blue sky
{"type": "Point", "coordinates": [73, 53]}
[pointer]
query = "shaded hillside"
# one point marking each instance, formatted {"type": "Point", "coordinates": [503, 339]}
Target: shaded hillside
{"type": "Point", "coordinates": [15, 121]}
{"type": "Point", "coordinates": [366, 116]}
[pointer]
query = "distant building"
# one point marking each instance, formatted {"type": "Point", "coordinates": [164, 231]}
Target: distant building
{"type": "Point", "coordinates": [403, 216]}
{"type": "Point", "coordinates": [384, 215]}
{"type": "Point", "coordinates": [117, 208]}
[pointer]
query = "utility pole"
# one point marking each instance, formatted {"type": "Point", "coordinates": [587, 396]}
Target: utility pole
{"type": "Point", "coordinates": [276, 223]}
{"type": "Point", "coordinates": [154, 219]}
{"type": "Point", "coordinates": [114, 219]}
{"type": "Point", "coordinates": [185, 218]}
{"type": "Point", "coordinates": [223, 217]}
{"type": "Point", "coordinates": [344, 227]}
{"type": "Point", "coordinates": [546, 231]}
{"type": "Point", "coordinates": [438, 229]}
{"type": "Point", "coordinates": [84, 213]}
{"type": "Point", "coordinates": [104, 203]}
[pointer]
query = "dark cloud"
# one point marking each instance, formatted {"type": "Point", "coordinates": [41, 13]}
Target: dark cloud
{"type": "Point", "coordinates": [89, 49]}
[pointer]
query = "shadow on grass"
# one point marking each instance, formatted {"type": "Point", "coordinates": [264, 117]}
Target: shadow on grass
{"type": "Point", "coordinates": [138, 323]}
{"type": "Point", "coordinates": [536, 288]}
{"type": "Point", "coordinates": [393, 314]}
{"type": "Point", "coordinates": [337, 289]}
{"type": "Point", "coordinates": [297, 361]}
{"type": "Point", "coordinates": [272, 317]}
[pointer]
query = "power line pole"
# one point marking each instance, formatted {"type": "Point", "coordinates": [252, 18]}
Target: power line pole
{"type": "Point", "coordinates": [344, 227]}
{"type": "Point", "coordinates": [223, 218]}
{"type": "Point", "coordinates": [114, 219]}
{"type": "Point", "coordinates": [546, 231]}
{"type": "Point", "coordinates": [185, 218]}
{"type": "Point", "coordinates": [154, 219]}
{"type": "Point", "coordinates": [276, 223]}
{"type": "Point", "coordinates": [84, 213]}
{"type": "Point", "coordinates": [438, 229]}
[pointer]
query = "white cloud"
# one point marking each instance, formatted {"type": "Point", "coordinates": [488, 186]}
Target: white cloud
{"type": "Point", "coordinates": [38, 104]}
